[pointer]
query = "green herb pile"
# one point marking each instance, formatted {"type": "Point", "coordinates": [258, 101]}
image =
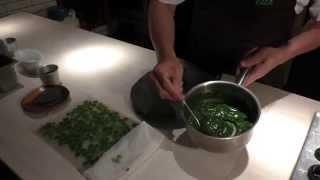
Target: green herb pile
{"type": "Point", "coordinates": [88, 130]}
{"type": "Point", "coordinates": [220, 120]}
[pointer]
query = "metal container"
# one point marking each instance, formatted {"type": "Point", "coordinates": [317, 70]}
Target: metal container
{"type": "Point", "coordinates": [233, 94]}
{"type": "Point", "coordinates": [11, 44]}
{"type": "Point", "coordinates": [49, 75]}
{"type": "Point", "coordinates": [8, 76]}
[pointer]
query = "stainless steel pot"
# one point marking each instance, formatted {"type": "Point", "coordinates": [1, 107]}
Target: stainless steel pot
{"type": "Point", "coordinates": [233, 94]}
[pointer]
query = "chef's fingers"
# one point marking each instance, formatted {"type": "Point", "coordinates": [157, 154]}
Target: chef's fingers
{"type": "Point", "coordinates": [162, 93]}
{"type": "Point", "coordinates": [252, 60]}
{"type": "Point", "coordinates": [251, 51]}
{"type": "Point", "coordinates": [242, 64]}
{"type": "Point", "coordinates": [174, 91]}
{"type": "Point", "coordinates": [178, 85]}
{"type": "Point", "coordinates": [167, 84]}
{"type": "Point", "coordinates": [178, 82]}
{"type": "Point", "coordinates": [177, 79]}
{"type": "Point", "coordinates": [254, 74]}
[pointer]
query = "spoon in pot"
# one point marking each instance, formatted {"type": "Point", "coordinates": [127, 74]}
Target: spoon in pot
{"type": "Point", "coordinates": [194, 117]}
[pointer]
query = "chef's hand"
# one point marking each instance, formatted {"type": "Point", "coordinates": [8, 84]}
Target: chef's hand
{"type": "Point", "coordinates": [167, 75]}
{"type": "Point", "coordinates": [263, 61]}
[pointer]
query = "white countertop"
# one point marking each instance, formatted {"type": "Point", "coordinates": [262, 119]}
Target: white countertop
{"type": "Point", "coordinates": [106, 69]}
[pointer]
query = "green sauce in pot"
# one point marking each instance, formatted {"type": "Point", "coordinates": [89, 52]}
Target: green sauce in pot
{"type": "Point", "coordinates": [219, 119]}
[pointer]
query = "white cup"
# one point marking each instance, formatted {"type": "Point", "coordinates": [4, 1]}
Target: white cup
{"type": "Point", "coordinates": [29, 60]}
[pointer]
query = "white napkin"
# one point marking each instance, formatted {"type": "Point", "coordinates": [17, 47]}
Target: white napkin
{"type": "Point", "coordinates": [134, 149]}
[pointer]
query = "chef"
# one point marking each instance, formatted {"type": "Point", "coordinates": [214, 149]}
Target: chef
{"type": "Point", "coordinates": [226, 35]}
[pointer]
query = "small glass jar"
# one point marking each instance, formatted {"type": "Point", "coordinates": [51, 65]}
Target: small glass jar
{"type": "Point", "coordinates": [11, 44]}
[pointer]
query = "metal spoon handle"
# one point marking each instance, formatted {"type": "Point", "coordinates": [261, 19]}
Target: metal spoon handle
{"type": "Point", "coordinates": [191, 112]}
{"type": "Point", "coordinates": [244, 71]}
{"type": "Point", "coordinates": [242, 76]}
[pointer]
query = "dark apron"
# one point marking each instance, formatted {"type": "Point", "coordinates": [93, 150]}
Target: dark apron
{"type": "Point", "coordinates": [222, 32]}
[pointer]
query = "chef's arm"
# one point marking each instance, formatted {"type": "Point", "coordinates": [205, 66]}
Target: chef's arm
{"type": "Point", "coordinates": [267, 58]}
{"type": "Point", "coordinates": [162, 28]}
{"type": "Point", "coordinates": [306, 41]}
{"type": "Point", "coordinates": [167, 74]}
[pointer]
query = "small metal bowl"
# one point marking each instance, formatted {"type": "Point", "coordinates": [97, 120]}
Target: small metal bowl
{"type": "Point", "coordinates": [49, 75]}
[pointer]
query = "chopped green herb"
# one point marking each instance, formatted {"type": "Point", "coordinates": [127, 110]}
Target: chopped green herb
{"type": "Point", "coordinates": [88, 130]}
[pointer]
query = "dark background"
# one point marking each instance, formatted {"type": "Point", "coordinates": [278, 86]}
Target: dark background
{"type": "Point", "coordinates": [127, 21]}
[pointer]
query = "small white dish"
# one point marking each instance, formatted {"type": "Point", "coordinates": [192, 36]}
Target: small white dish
{"type": "Point", "coordinates": [29, 60]}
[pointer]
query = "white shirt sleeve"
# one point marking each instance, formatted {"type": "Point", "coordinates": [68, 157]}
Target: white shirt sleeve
{"type": "Point", "coordinates": [300, 5]}
{"type": "Point", "coordinates": [315, 10]}
{"type": "Point", "coordinates": [173, 2]}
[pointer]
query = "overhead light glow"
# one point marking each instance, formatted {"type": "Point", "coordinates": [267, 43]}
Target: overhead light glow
{"type": "Point", "coordinates": [93, 59]}
{"type": "Point", "coordinates": [7, 28]}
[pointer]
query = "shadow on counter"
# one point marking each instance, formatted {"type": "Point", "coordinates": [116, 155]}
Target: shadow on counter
{"type": "Point", "coordinates": [7, 173]}
{"type": "Point", "coordinates": [205, 165]}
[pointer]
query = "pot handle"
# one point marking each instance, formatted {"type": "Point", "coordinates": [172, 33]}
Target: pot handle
{"type": "Point", "coordinates": [242, 76]}
{"type": "Point", "coordinates": [244, 71]}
